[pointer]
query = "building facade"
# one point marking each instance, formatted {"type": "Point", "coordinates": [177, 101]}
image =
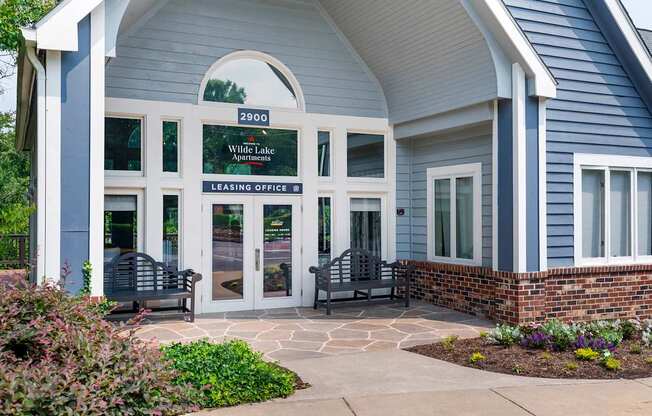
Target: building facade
{"type": "Point", "coordinates": [504, 147]}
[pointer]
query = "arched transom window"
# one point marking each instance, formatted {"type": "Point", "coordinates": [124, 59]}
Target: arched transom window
{"type": "Point", "coordinates": [246, 78]}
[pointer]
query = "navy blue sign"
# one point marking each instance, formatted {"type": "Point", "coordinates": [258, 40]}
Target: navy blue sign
{"type": "Point", "coordinates": [253, 117]}
{"type": "Point", "coordinates": [223, 187]}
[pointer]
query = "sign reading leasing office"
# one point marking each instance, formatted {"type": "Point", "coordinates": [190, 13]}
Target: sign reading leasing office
{"type": "Point", "coordinates": [227, 187]}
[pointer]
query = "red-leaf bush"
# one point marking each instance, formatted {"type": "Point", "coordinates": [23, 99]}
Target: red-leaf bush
{"type": "Point", "coordinates": [58, 356]}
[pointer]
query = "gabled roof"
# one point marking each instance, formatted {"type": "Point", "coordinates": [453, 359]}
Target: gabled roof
{"type": "Point", "coordinates": [646, 36]}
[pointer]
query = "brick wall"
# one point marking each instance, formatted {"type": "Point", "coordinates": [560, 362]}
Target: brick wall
{"type": "Point", "coordinates": [580, 294]}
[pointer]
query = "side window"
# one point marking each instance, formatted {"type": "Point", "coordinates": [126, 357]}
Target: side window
{"type": "Point", "coordinates": [123, 144]}
{"type": "Point", "coordinates": [454, 213]}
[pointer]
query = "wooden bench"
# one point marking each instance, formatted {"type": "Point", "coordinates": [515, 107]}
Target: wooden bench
{"type": "Point", "coordinates": [359, 272]}
{"type": "Point", "coordinates": [138, 278]}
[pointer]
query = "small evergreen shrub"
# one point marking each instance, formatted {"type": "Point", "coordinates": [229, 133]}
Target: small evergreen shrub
{"type": "Point", "coordinates": [611, 364]}
{"type": "Point", "coordinates": [629, 328]}
{"type": "Point", "coordinates": [648, 360]}
{"type": "Point", "coordinates": [546, 356]}
{"type": "Point", "coordinates": [586, 354]}
{"type": "Point", "coordinates": [59, 357]}
{"type": "Point", "coordinates": [228, 374]}
{"type": "Point", "coordinates": [476, 357]}
{"type": "Point", "coordinates": [449, 342]}
{"type": "Point", "coordinates": [636, 349]}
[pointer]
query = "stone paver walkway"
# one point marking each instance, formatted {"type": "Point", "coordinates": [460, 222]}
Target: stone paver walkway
{"type": "Point", "coordinates": [300, 333]}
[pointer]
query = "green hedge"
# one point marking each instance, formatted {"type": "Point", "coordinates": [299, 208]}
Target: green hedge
{"type": "Point", "coordinates": [228, 374]}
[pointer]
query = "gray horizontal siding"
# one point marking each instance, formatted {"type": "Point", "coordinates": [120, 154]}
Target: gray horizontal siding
{"type": "Point", "coordinates": [414, 157]}
{"type": "Point", "coordinates": [166, 57]}
{"type": "Point", "coordinates": [428, 55]}
{"type": "Point", "coordinates": [597, 109]}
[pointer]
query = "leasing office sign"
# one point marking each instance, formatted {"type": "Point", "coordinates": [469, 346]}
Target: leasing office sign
{"type": "Point", "coordinates": [227, 187]}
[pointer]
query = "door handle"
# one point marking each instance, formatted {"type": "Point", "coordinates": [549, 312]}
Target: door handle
{"type": "Point", "coordinates": [257, 259]}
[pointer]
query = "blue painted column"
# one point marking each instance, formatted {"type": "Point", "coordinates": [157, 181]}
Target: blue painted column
{"type": "Point", "coordinates": [75, 156]}
{"type": "Point", "coordinates": [518, 183]}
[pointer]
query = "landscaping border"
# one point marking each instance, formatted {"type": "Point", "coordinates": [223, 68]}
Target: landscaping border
{"type": "Point", "coordinates": [576, 293]}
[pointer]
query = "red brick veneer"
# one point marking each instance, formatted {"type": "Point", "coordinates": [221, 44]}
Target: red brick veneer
{"type": "Point", "coordinates": [578, 293]}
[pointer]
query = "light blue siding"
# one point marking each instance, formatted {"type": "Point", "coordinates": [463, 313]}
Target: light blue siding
{"type": "Point", "coordinates": [75, 156]}
{"type": "Point", "coordinates": [414, 157]}
{"type": "Point", "coordinates": [597, 109]}
{"type": "Point", "coordinates": [166, 57]}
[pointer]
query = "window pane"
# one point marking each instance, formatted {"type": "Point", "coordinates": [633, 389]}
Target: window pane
{"type": "Point", "coordinates": [442, 217]}
{"type": "Point", "coordinates": [277, 251]}
{"type": "Point", "coordinates": [621, 214]}
{"type": "Point", "coordinates": [366, 225]}
{"type": "Point", "coordinates": [232, 150]}
{"type": "Point", "coordinates": [324, 232]}
{"type": "Point", "coordinates": [365, 155]}
{"type": "Point", "coordinates": [324, 153]}
{"type": "Point", "coordinates": [171, 230]}
{"type": "Point", "coordinates": [645, 213]}
{"type": "Point", "coordinates": [251, 82]}
{"type": "Point", "coordinates": [120, 225]}
{"type": "Point", "coordinates": [464, 217]}
{"type": "Point", "coordinates": [228, 250]}
{"type": "Point", "coordinates": [592, 213]}
{"type": "Point", "coordinates": [170, 146]}
{"type": "Point", "coordinates": [122, 144]}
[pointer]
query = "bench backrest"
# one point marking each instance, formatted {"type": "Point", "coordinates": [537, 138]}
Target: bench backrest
{"type": "Point", "coordinates": [139, 271]}
{"type": "Point", "coordinates": [355, 265]}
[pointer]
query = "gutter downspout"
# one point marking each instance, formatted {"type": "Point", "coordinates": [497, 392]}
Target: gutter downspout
{"type": "Point", "coordinates": [41, 108]}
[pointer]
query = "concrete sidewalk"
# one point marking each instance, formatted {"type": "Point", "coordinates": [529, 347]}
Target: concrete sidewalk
{"type": "Point", "coordinates": [631, 398]}
{"type": "Point", "coordinates": [401, 383]}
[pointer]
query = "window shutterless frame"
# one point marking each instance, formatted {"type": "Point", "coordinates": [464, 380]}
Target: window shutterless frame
{"type": "Point", "coordinates": [140, 211]}
{"type": "Point", "coordinates": [473, 170]}
{"type": "Point", "coordinates": [384, 223]}
{"type": "Point", "coordinates": [331, 164]}
{"type": "Point", "coordinates": [258, 178]}
{"type": "Point", "coordinates": [179, 147]}
{"type": "Point", "coordinates": [362, 179]}
{"type": "Point", "coordinates": [143, 149]}
{"type": "Point", "coordinates": [609, 164]}
{"type": "Point", "coordinates": [179, 194]}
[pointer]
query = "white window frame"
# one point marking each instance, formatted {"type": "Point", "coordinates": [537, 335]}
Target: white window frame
{"type": "Point", "coordinates": [179, 194]}
{"type": "Point", "coordinates": [607, 164]}
{"type": "Point", "coordinates": [143, 135]}
{"type": "Point", "coordinates": [140, 212]}
{"type": "Point", "coordinates": [452, 173]}
{"type": "Point", "coordinates": [330, 196]}
{"type": "Point", "coordinates": [331, 164]}
{"type": "Point", "coordinates": [384, 224]}
{"type": "Point", "coordinates": [259, 56]}
{"type": "Point", "coordinates": [363, 179]}
{"type": "Point", "coordinates": [179, 147]}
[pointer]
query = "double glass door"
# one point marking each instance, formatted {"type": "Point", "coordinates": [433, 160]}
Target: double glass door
{"type": "Point", "coordinates": [251, 253]}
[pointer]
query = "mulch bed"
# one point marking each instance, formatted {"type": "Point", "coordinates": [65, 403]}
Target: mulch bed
{"type": "Point", "coordinates": [516, 360]}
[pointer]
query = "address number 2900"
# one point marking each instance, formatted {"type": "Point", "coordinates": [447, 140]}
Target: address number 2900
{"type": "Point", "coordinates": [255, 117]}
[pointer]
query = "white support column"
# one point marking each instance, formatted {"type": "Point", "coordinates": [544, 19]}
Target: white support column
{"type": "Point", "coordinates": [340, 240]}
{"type": "Point", "coordinates": [543, 189]}
{"type": "Point", "coordinates": [519, 95]}
{"type": "Point", "coordinates": [153, 218]}
{"type": "Point", "coordinates": [390, 174]}
{"type": "Point", "coordinates": [310, 210]}
{"type": "Point", "coordinates": [96, 192]}
{"type": "Point", "coordinates": [52, 176]}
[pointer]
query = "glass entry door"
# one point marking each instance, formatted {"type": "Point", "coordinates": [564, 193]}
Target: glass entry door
{"type": "Point", "coordinates": [252, 253]}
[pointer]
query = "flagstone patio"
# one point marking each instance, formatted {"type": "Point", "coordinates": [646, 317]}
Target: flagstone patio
{"type": "Point", "coordinates": [298, 333]}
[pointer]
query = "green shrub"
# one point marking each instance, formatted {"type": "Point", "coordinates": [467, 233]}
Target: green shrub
{"type": "Point", "coordinates": [611, 364]}
{"type": "Point", "coordinates": [629, 328]}
{"type": "Point", "coordinates": [477, 357]}
{"type": "Point", "coordinates": [59, 357]}
{"type": "Point", "coordinates": [229, 373]}
{"type": "Point", "coordinates": [586, 354]}
{"type": "Point", "coordinates": [648, 360]}
{"type": "Point", "coordinates": [610, 331]}
{"type": "Point", "coordinates": [449, 342]}
{"type": "Point", "coordinates": [562, 335]}
{"type": "Point", "coordinates": [505, 335]}
{"type": "Point", "coordinates": [546, 356]}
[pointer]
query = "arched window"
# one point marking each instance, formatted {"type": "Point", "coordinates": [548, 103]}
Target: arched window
{"type": "Point", "coordinates": [251, 78]}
